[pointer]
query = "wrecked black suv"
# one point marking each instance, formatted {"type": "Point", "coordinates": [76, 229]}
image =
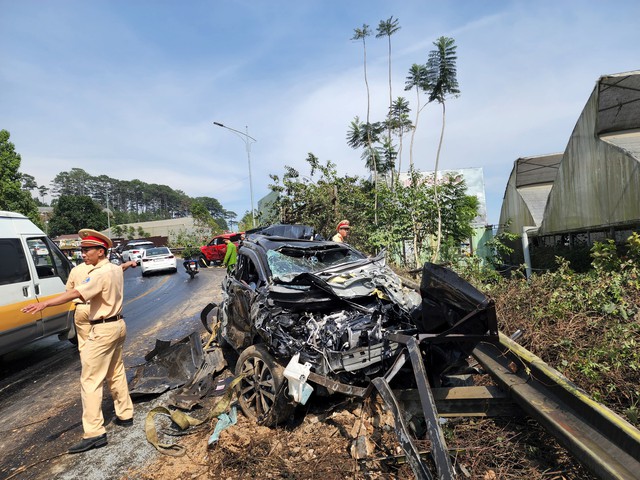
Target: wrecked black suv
{"type": "Point", "coordinates": [313, 316]}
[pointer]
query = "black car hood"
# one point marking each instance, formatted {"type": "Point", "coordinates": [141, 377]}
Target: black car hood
{"type": "Point", "coordinates": [352, 287]}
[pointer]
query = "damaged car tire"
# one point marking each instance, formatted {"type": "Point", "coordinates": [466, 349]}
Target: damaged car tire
{"type": "Point", "coordinates": [263, 396]}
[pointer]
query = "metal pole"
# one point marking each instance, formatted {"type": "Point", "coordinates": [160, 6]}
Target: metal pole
{"type": "Point", "coordinates": [246, 138]}
{"type": "Point", "coordinates": [525, 250]}
{"type": "Point", "coordinates": [108, 217]}
{"type": "Point", "coordinates": [248, 144]}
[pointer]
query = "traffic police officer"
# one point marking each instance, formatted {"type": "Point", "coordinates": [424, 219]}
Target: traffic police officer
{"type": "Point", "coordinates": [101, 355]}
{"type": "Point", "coordinates": [343, 231]}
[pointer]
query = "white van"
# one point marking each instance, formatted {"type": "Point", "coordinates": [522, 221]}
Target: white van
{"type": "Point", "coordinates": [32, 269]}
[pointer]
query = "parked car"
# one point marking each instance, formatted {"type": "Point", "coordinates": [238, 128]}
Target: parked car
{"type": "Point", "coordinates": [214, 251]}
{"type": "Point", "coordinates": [32, 269]}
{"type": "Point", "coordinates": [297, 309]}
{"type": "Point", "coordinates": [133, 250]}
{"type": "Point", "coordinates": [156, 259]}
{"type": "Point", "coordinates": [39, 248]}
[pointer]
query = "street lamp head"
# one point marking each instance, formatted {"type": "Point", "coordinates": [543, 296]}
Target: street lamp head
{"type": "Point", "coordinates": [218, 124]}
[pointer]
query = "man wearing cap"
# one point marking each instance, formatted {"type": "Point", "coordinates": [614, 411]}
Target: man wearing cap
{"type": "Point", "coordinates": [101, 356]}
{"type": "Point", "coordinates": [343, 232]}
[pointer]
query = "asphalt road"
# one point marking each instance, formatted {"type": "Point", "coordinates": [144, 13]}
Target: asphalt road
{"type": "Point", "coordinates": [40, 408]}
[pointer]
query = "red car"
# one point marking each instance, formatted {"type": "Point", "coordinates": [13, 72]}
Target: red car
{"type": "Point", "coordinates": [214, 251]}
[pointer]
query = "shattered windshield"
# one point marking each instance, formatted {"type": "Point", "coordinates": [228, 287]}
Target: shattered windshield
{"type": "Point", "coordinates": [287, 261]}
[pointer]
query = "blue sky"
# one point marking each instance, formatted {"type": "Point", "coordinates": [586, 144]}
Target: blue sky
{"type": "Point", "coordinates": [131, 88]}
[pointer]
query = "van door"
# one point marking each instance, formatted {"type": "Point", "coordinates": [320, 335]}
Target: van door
{"type": "Point", "coordinates": [16, 291]}
{"type": "Point", "coordinates": [50, 272]}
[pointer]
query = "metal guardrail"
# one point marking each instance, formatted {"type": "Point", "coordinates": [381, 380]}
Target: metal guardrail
{"type": "Point", "coordinates": [601, 440]}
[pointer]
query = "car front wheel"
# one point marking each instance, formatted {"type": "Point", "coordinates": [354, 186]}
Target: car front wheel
{"type": "Point", "coordinates": [263, 395]}
{"type": "Point", "coordinates": [204, 262]}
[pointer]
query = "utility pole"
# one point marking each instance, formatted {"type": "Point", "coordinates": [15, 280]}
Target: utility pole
{"type": "Point", "coordinates": [247, 139]}
{"type": "Point", "coordinates": [108, 217]}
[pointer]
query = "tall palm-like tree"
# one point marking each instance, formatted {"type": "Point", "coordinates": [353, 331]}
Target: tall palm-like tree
{"type": "Point", "coordinates": [386, 28]}
{"type": "Point", "coordinates": [365, 135]}
{"type": "Point", "coordinates": [362, 34]}
{"type": "Point", "coordinates": [387, 156]}
{"type": "Point", "coordinates": [418, 80]}
{"type": "Point", "coordinates": [400, 124]}
{"type": "Point", "coordinates": [442, 78]}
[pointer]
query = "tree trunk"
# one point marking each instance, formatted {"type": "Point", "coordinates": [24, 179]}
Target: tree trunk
{"type": "Point", "coordinates": [375, 175]}
{"type": "Point", "coordinates": [436, 252]}
{"type": "Point", "coordinates": [415, 127]}
{"type": "Point", "coordinates": [416, 253]}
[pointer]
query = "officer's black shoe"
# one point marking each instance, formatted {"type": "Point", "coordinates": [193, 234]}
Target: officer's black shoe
{"type": "Point", "coordinates": [89, 443]}
{"type": "Point", "coordinates": [123, 423]}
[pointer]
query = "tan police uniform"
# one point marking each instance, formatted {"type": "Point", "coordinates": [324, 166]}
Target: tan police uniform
{"type": "Point", "coordinates": [338, 236]}
{"type": "Point", "coordinates": [81, 316]}
{"type": "Point", "coordinates": [102, 354]}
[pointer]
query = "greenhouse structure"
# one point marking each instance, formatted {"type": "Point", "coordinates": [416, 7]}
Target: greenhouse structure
{"type": "Point", "coordinates": [591, 192]}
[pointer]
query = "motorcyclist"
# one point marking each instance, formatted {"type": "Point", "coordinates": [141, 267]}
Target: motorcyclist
{"type": "Point", "coordinates": [190, 260]}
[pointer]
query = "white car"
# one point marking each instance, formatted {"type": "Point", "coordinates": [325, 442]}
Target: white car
{"type": "Point", "coordinates": [39, 248]}
{"type": "Point", "coordinates": [133, 250]}
{"type": "Point", "coordinates": [155, 259]}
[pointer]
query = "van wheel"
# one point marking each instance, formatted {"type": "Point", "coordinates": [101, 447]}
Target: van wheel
{"type": "Point", "coordinates": [262, 396]}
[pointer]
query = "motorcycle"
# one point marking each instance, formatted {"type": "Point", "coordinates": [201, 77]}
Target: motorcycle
{"type": "Point", "coordinates": [191, 266]}
{"type": "Point", "coordinates": [115, 257]}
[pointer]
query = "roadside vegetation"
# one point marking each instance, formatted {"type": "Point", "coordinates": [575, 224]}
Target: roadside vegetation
{"type": "Point", "coordinates": [586, 325]}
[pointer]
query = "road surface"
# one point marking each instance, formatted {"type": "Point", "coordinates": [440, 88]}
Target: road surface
{"type": "Point", "coordinates": [40, 407]}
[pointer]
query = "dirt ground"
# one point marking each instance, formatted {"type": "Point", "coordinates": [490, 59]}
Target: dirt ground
{"type": "Point", "coordinates": [336, 438]}
{"type": "Point", "coordinates": [315, 444]}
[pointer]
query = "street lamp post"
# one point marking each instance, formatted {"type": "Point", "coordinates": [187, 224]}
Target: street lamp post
{"type": "Point", "coordinates": [247, 139]}
{"type": "Point", "coordinates": [108, 216]}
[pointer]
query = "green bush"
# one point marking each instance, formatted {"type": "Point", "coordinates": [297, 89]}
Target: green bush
{"type": "Point", "coordinates": [586, 325]}
{"type": "Point", "coordinates": [190, 252]}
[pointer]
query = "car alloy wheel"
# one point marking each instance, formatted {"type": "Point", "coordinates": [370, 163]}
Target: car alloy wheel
{"type": "Point", "coordinates": [263, 396]}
